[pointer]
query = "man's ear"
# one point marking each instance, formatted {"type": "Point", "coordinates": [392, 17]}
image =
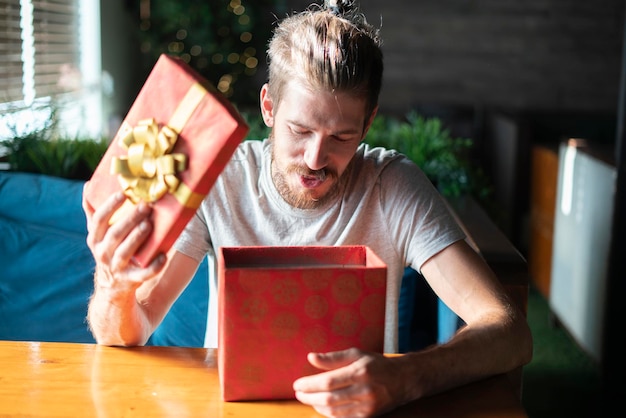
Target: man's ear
{"type": "Point", "coordinates": [267, 106]}
{"type": "Point", "coordinates": [369, 122]}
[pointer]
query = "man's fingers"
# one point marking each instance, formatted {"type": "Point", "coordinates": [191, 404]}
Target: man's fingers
{"type": "Point", "coordinates": [335, 359]}
{"type": "Point", "coordinates": [117, 243]}
{"type": "Point", "coordinates": [87, 208]}
{"type": "Point", "coordinates": [98, 220]}
{"type": "Point", "coordinates": [335, 397]}
{"type": "Point", "coordinates": [339, 374]}
{"type": "Point", "coordinates": [323, 382]}
{"type": "Point", "coordinates": [128, 247]}
{"type": "Point", "coordinates": [351, 401]}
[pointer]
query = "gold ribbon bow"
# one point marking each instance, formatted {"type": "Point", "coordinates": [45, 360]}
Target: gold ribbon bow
{"type": "Point", "coordinates": [149, 170]}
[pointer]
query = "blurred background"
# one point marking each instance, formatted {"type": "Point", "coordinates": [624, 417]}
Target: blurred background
{"type": "Point", "coordinates": [519, 79]}
{"type": "Point", "coordinates": [506, 74]}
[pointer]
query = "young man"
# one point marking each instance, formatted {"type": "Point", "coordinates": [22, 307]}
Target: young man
{"type": "Point", "coordinates": [314, 183]}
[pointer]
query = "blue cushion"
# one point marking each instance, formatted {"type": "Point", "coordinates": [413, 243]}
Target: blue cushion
{"type": "Point", "coordinates": [47, 277]}
{"type": "Point", "coordinates": [448, 322]}
{"type": "Point", "coordinates": [417, 314]}
{"type": "Point", "coordinates": [406, 305]}
{"type": "Point", "coordinates": [43, 200]}
{"type": "Point", "coordinates": [47, 268]}
{"type": "Point", "coordinates": [185, 323]}
{"type": "Point", "coordinates": [422, 317]}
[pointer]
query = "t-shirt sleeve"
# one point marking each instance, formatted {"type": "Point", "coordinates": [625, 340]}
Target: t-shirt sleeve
{"type": "Point", "coordinates": [419, 219]}
{"type": "Point", "coordinates": [194, 240]}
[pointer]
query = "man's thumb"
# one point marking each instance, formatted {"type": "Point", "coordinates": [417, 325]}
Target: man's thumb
{"type": "Point", "coordinates": [334, 359]}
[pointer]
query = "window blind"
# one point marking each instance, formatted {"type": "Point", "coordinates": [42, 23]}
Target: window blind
{"type": "Point", "coordinates": [54, 27]}
{"type": "Point", "coordinates": [10, 51]}
{"type": "Point", "coordinates": [55, 24]}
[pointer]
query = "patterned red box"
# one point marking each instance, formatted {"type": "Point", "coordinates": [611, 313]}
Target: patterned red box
{"type": "Point", "coordinates": [276, 304]}
{"type": "Point", "coordinates": [176, 139]}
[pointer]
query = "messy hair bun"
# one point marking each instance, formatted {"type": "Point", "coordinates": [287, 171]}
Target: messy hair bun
{"type": "Point", "coordinates": [328, 47]}
{"type": "Point", "coordinates": [339, 7]}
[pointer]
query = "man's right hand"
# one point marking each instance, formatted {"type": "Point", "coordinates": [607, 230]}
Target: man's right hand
{"type": "Point", "coordinates": [118, 311]}
{"type": "Point", "coordinates": [114, 245]}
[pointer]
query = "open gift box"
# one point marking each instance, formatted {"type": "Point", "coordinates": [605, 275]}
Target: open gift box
{"type": "Point", "coordinates": [176, 139]}
{"type": "Point", "coordinates": [277, 304]}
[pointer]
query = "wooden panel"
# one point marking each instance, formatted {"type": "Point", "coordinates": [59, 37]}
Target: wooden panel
{"type": "Point", "coordinates": [544, 172]}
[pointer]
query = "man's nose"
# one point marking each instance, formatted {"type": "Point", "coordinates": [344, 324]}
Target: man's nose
{"type": "Point", "coordinates": [316, 153]}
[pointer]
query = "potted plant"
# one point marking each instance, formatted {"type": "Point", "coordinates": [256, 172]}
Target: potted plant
{"type": "Point", "coordinates": [443, 158]}
{"type": "Point", "coordinates": [48, 152]}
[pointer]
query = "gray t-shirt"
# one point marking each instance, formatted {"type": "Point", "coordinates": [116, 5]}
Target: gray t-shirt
{"type": "Point", "coordinates": [386, 203]}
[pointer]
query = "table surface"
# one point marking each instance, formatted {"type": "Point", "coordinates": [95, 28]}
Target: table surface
{"type": "Point", "coordinates": [41, 379]}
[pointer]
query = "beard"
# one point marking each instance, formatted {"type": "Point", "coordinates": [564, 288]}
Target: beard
{"type": "Point", "coordinates": [303, 198]}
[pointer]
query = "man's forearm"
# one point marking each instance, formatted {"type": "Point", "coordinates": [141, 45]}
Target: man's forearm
{"type": "Point", "coordinates": [472, 354]}
{"type": "Point", "coordinates": [115, 318]}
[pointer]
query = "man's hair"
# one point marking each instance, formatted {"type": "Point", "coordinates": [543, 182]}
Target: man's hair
{"type": "Point", "coordinates": [331, 48]}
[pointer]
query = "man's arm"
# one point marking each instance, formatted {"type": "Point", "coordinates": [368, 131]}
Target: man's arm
{"type": "Point", "coordinates": [496, 337]}
{"type": "Point", "coordinates": [495, 340]}
{"type": "Point", "coordinates": [129, 301]}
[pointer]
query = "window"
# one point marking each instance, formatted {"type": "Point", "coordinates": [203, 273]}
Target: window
{"type": "Point", "coordinates": [56, 49]}
{"type": "Point", "coordinates": [40, 42]}
{"type": "Point", "coordinates": [47, 44]}
{"type": "Point", "coordinates": [11, 51]}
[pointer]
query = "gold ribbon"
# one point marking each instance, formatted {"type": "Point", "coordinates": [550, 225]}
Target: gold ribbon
{"type": "Point", "coordinates": [149, 169]}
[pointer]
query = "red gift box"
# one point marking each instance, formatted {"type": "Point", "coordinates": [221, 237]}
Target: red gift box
{"type": "Point", "coordinates": [176, 139]}
{"type": "Point", "coordinates": [276, 304]}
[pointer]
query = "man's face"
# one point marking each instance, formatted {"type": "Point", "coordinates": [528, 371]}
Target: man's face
{"type": "Point", "coordinates": [314, 137]}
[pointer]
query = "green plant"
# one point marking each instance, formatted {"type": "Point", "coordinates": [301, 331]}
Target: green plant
{"type": "Point", "coordinates": [43, 149]}
{"type": "Point", "coordinates": [258, 129]}
{"type": "Point", "coordinates": [443, 158]}
{"type": "Point", "coordinates": [71, 158]}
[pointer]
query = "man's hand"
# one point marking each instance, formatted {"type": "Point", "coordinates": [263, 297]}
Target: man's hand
{"type": "Point", "coordinates": [356, 384]}
{"type": "Point", "coordinates": [114, 314]}
{"type": "Point", "coordinates": [113, 246]}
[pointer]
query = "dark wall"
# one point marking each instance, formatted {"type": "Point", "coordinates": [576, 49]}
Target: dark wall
{"type": "Point", "coordinates": [460, 57]}
{"type": "Point", "coordinates": [545, 55]}
{"type": "Point", "coordinates": [506, 73]}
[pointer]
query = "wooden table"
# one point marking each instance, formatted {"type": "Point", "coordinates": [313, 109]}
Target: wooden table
{"type": "Point", "coordinates": [39, 379]}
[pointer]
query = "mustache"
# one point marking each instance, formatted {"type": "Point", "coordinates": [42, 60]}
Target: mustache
{"type": "Point", "coordinates": [321, 175]}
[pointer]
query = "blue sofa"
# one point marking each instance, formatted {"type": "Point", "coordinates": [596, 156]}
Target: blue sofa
{"type": "Point", "coordinates": [46, 275]}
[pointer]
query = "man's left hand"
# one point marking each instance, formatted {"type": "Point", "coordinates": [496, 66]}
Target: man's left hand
{"type": "Point", "coordinates": [355, 384]}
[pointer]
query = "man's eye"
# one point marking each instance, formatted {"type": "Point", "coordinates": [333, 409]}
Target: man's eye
{"type": "Point", "coordinates": [343, 138]}
{"type": "Point", "coordinates": [299, 132]}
